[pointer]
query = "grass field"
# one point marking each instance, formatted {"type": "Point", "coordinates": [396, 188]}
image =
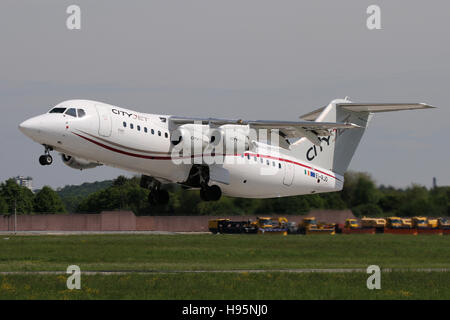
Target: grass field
{"type": "Point", "coordinates": [224, 252]}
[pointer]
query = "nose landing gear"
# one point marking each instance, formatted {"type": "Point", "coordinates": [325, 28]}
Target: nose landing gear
{"type": "Point", "coordinates": [46, 159]}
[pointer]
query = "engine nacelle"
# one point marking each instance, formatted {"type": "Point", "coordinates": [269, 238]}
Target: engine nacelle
{"type": "Point", "coordinates": [78, 163]}
{"type": "Point", "coordinates": [190, 137]}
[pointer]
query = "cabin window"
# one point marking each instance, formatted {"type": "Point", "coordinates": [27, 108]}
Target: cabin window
{"type": "Point", "coordinates": [153, 131]}
{"type": "Point", "coordinates": [57, 110]}
{"type": "Point", "coordinates": [131, 126]}
{"type": "Point", "coordinates": [262, 160]}
{"type": "Point", "coordinates": [159, 133]}
{"type": "Point", "coordinates": [166, 135]}
{"type": "Point", "coordinates": [279, 165]}
{"type": "Point", "coordinates": [273, 163]}
{"type": "Point", "coordinates": [81, 113]}
{"type": "Point", "coordinates": [268, 162]}
{"type": "Point", "coordinates": [124, 124]}
{"type": "Point", "coordinates": [248, 156]}
{"type": "Point", "coordinates": [255, 158]}
{"type": "Point", "coordinates": [145, 129]}
{"type": "Point", "coordinates": [138, 127]}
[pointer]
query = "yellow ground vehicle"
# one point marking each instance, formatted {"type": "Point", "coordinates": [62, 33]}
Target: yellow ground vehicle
{"type": "Point", "coordinates": [373, 222]}
{"type": "Point", "coordinates": [419, 222]}
{"type": "Point", "coordinates": [213, 225]}
{"type": "Point", "coordinates": [309, 226]}
{"type": "Point", "coordinates": [264, 222]}
{"type": "Point", "coordinates": [272, 226]}
{"type": "Point", "coordinates": [406, 223]}
{"type": "Point", "coordinates": [282, 222]}
{"type": "Point", "coordinates": [351, 224]}
{"type": "Point", "coordinates": [432, 223]}
{"type": "Point", "coordinates": [443, 223]}
{"type": "Point", "coordinates": [393, 222]}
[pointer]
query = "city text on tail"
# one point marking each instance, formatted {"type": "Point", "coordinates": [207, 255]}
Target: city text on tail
{"type": "Point", "coordinates": [239, 158]}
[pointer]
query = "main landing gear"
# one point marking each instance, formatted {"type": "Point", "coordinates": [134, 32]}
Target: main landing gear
{"type": "Point", "coordinates": [157, 196]}
{"type": "Point", "coordinates": [199, 177]}
{"type": "Point", "coordinates": [210, 193]}
{"type": "Point", "coordinates": [46, 159]}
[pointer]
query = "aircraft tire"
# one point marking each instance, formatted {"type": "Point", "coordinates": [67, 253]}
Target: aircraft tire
{"type": "Point", "coordinates": [213, 193]}
{"type": "Point", "coordinates": [45, 160]}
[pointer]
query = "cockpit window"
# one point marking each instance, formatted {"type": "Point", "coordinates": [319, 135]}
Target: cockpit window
{"type": "Point", "coordinates": [57, 110]}
{"type": "Point", "coordinates": [81, 113]}
{"type": "Point", "coordinates": [72, 112]}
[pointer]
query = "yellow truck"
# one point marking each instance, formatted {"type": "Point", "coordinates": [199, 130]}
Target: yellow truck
{"type": "Point", "coordinates": [351, 224]}
{"type": "Point", "coordinates": [433, 223]}
{"type": "Point", "coordinates": [309, 226]}
{"type": "Point", "coordinates": [264, 222]}
{"type": "Point", "coordinates": [214, 225]}
{"type": "Point", "coordinates": [393, 222]}
{"type": "Point", "coordinates": [406, 223]}
{"type": "Point", "coordinates": [373, 222]}
{"type": "Point", "coordinates": [419, 222]}
{"type": "Point", "coordinates": [271, 225]}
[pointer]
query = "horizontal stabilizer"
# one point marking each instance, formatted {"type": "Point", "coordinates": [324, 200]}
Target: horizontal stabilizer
{"type": "Point", "coordinates": [382, 107]}
{"type": "Point", "coordinates": [369, 107]}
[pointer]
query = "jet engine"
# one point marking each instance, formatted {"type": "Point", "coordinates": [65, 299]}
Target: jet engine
{"type": "Point", "coordinates": [78, 163]}
{"type": "Point", "coordinates": [190, 136]}
{"type": "Point", "coordinates": [233, 139]}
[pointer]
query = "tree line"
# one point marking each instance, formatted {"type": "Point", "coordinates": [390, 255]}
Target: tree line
{"type": "Point", "coordinates": [360, 194]}
{"type": "Point", "coordinates": [15, 198]}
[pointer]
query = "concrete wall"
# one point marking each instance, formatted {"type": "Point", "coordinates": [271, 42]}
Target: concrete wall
{"type": "Point", "coordinates": [127, 221]}
{"type": "Point", "coordinates": [106, 221]}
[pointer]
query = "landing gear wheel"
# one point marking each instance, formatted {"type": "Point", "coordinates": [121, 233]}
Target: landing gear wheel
{"type": "Point", "coordinates": [46, 160]}
{"type": "Point", "coordinates": [212, 193]}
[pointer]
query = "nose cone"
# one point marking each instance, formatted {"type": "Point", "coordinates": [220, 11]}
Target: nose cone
{"type": "Point", "coordinates": [30, 127]}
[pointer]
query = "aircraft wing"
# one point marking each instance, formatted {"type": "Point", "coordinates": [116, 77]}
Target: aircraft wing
{"type": "Point", "coordinates": [288, 129]}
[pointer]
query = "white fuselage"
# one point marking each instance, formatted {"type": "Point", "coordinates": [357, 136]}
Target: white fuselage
{"type": "Point", "coordinates": [140, 142]}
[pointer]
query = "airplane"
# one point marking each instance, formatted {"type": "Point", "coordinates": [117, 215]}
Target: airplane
{"type": "Point", "coordinates": [232, 157]}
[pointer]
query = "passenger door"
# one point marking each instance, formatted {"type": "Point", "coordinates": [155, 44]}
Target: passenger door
{"type": "Point", "coordinates": [289, 172]}
{"type": "Point", "coordinates": [104, 116]}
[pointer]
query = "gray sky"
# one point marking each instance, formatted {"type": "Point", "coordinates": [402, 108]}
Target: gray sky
{"type": "Point", "coordinates": [251, 59]}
